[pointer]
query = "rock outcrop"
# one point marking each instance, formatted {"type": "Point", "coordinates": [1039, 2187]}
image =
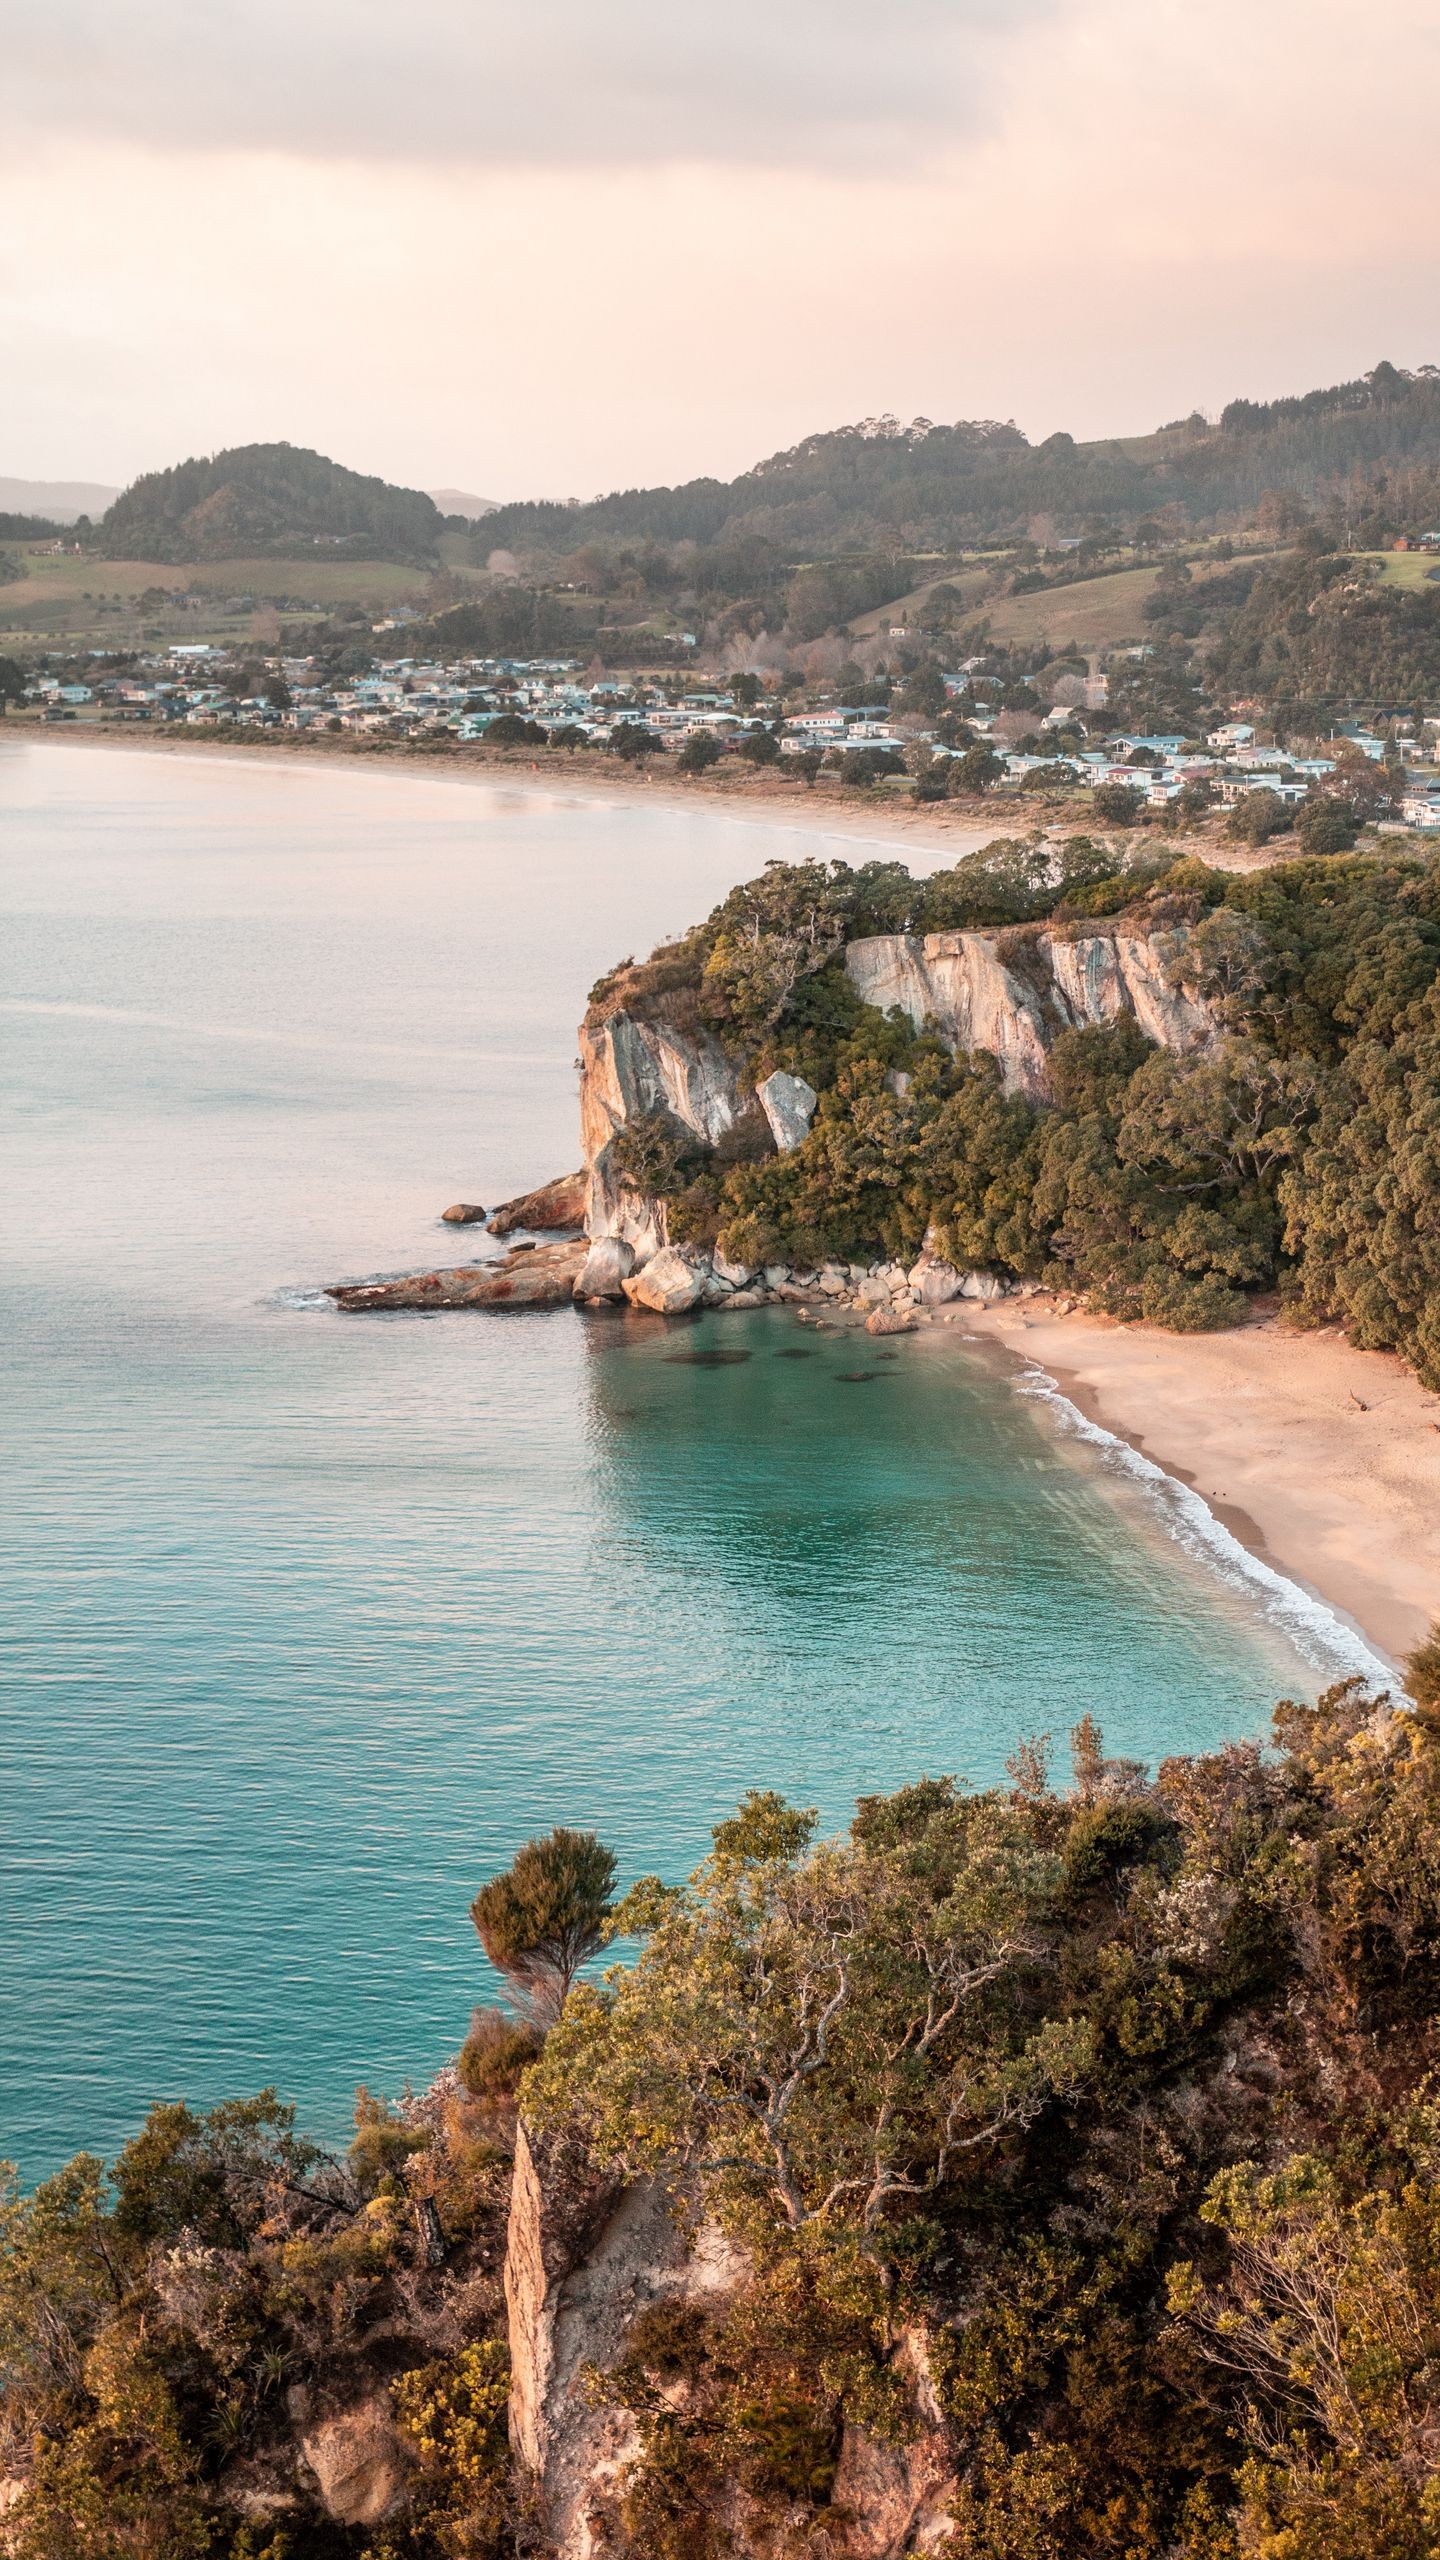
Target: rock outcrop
{"type": "Point", "coordinates": [463, 1213]}
{"type": "Point", "coordinates": [557, 1208]}
{"type": "Point", "coordinates": [359, 2460]}
{"type": "Point", "coordinates": [542, 1276]}
{"type": "Point", "coordinates": [667, 1284]}
{"type": "Point", "coordinates": [584, 2259]}
{"type": "Point", "coordinates": [788, 1103]}
{"type": "Point", "coordinates": [1013, 993]}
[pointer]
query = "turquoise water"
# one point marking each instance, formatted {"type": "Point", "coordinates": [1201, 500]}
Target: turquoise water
{"type": "Point", "coordinates": [309, 1620]}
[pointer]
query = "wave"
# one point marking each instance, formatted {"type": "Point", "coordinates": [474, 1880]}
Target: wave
{"type": "Point", "coordinates": [1321, 1635]}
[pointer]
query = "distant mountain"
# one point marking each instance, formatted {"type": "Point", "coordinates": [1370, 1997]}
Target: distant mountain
{"type": "Point", "coordinates": [462, 502]}
{"type": "Point", "coordinates": [270, 500]}
{"type": "Point", "coordinates": [880, 485]}
{"type": "Point", "coordinates": [57, 501]}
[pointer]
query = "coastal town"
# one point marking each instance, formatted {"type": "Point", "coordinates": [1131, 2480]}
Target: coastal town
{"type": "Point", "coordinates": [962, 730]}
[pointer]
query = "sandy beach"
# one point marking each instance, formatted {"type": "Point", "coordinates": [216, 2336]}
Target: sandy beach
{"type": "Point", "coordinates": [1323, 1460]}
{"type": "Point", "coordinates": [933, 830]}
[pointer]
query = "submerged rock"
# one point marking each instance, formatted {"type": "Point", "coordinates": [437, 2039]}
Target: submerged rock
{"type": "Point", "coordinates": [557, 1208]}
{"type": "Point", "coordinates": [890, 1319]}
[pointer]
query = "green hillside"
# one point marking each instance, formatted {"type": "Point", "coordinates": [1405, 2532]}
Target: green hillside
{"type": "Point", "coordinates": [265, 500]}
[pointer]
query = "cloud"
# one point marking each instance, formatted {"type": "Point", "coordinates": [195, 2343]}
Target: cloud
{"type": "Point", "coordinates": [841, 84]}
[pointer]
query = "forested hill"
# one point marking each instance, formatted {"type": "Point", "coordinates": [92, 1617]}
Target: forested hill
{"type": "Point", "coordinates": [926, 486]}
{"type": "Point", "coordinates": [267, 499]}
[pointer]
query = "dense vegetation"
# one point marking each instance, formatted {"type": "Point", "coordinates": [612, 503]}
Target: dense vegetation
{"type": "Point", "coordinates": [880, 485]}
{"type": "Point", "coordinates": [266, 499]}
{"type": "Point", "coordinates": [1110, 2107]}
{"type": "Point", "coordinates": [1299, 1150]}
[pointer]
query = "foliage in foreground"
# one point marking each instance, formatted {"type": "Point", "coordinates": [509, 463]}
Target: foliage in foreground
{"type": "Point", "coordinates": [1112, 2108]}
{"type": "Point", "coordinates": [1122, 2101]}
{"type": "Point", "coordinates": [1300, 1151]}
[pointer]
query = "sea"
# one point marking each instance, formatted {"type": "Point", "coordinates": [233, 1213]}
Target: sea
{"type": "Point", "coordinates": [308, 1621]}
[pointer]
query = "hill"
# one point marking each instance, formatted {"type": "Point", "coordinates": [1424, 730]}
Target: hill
{"type": "Point", "coordinates": [926, 487]}
{"type": "Point", "coordinates": [267, 499]}
{"type": "Point", "coordinates": [56, 501]}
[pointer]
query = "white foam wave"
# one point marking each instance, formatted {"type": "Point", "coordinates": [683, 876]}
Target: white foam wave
{"type": "Point", "coordinates": [1320, 1635]}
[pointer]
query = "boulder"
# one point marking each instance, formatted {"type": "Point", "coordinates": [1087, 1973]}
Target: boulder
{"type": "Point", "coordinates": [894, 1275]}
{"type": "Point", "coordinates": [874, 1290]}
{"type": "Point", "coordinates": [359, 2460]}
{"type": "Point", "coordinates": [834, 1280]}
{"type": "Point", "coordinates": [982, 1284]}
{"type": "Point", "coordinates": [891, 1320]}
{"type": "Point", "coordinates": [935, 1282]}
{"type": "Point", "coordinates": [463, 1213]}
{"type": "Point", "coordinates": [788, 1103]}
{"type": "Point", "coordinates": [738, 1275]}
{"type": "Point", "coordinates": [606, 1268]}
{"type": "Point", "coordinates": [557, 1208]}
{"type": "Point", "coordinates": [775, 1272]}
{"type": "Point", "coordinates": [545, 1276]}
{"type": "Point", "coordinates": [745, 1298]}
{"type": "Point", "coordinates": [668, 1285]}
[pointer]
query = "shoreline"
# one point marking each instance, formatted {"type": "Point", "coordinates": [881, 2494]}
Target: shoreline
{"type": "Point", "coordinates": [754, 798]}
{"type": "Point", "coordinates": [1320, 1460]}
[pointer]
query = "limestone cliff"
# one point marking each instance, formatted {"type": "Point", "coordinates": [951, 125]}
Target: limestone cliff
{"type": "Point", "coordinates": [630, 1069]}
{"type": "Point", "coordinates": [586, 2259]}
{"type": "Point", "coordinates": [1012, 993]}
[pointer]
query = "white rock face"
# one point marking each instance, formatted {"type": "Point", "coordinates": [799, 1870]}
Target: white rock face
{"type": "Point", "coordinates": [668, 1285]}
{"type": "Point", "coordinates": [979, 1001]}
{"type": "Point", "coordinates": [959, 980]}
{"type": "Point", "coordinates": [630, 1068]}
{"type": "Point", "coordinates": [982, 1284]}
{"type": "Point", "coordinates": [606, 1268]}
{"type": "Point", "coordinates": [788, 1103]}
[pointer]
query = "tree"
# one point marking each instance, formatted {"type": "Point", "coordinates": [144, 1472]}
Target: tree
{"type": "Point", "coordinates": [760, 746]}
{"type": "Point", "coordinates": [975, 770]}
{"type": "Point", "coordinates": [1117, 805]}
{"type": "Point", "coordinates": [1257, 816]}
{"type": "Point", "coordinates": [745, 689]}
{"type": "Point", "coordinates": [12, 684]}
{"type": "Point", "coordinates": [543, 1917]}
{"type": "Point", "coordinates": [700, 751]}
{"type": "Point", "coordinates": [1326, 826]}
{"type": "Point", "coordinates": [807, 765]}
{"type": "Point", "coordinates": [631, 742]}
{"type": "Point", "coordinates": [822, 2033]}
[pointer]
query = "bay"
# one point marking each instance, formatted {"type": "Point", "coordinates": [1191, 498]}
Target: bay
{"type": "Point", "coordinates": [308, 1621]}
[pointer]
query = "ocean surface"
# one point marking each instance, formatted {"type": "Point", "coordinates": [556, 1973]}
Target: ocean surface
{"type": "Point", "coordinates": [308, 1621]}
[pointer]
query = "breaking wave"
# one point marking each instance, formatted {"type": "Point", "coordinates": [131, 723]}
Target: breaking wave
{"type": "Point", "coordinates": [1319, 1633]}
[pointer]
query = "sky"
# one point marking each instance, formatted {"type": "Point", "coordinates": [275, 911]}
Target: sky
{"type": "Point", "coordinates": [555, 249]}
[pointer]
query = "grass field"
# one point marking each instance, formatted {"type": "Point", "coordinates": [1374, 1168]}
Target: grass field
{"type": "Point", "coordinates": [1417, 570]}
{"type": "Point", "coordinates": [1097, 613]}
{"type": "Point", "coordinates": [65, 597]}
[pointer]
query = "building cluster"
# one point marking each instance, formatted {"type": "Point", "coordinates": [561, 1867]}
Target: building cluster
{"type": "Point", "coordinates": [410, 698]}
